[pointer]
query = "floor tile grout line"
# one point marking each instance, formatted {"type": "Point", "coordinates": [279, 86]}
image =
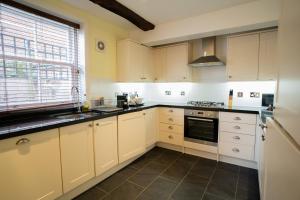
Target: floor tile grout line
{"type": "Point", "coordinates": [129, 181]}
{"type": "Point", "coordinates": [157, 177]}
{"type": "Point", "coordinates": [237, 182]}
{"type": "Point", "coordinates": [209, 181]}
{"type": "Point", "coordinates": [182, 179]}
{"type": "Point", "coordinates": [99, 190]}
{"type": "Point", "coordinates": [137, 170]}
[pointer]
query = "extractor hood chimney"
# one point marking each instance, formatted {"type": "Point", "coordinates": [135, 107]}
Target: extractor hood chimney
{"type": "Point", "coordinates": [209, 57]}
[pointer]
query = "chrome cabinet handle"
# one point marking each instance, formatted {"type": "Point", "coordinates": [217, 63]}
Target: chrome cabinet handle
{"type": "Point", "coordinates": [22, 141]}
{"type": "Point", "coordinates": [236, 150]}
{"type": "Point", "coordinates": [236, 137]}
{"type": "Point", "coordinates": [97, 124]}
{"type": "Point", "coordinates": [171, 110]}
{"type": "Point", "coordinates": [229, 76]}
{"type": "Point", "coordinates": [237, 127]}
{"type": "Point", "coordinates": [90, 125]}
{"type": "Point", "coordinates": [237, 118]}
{"type": "Point", "coordinates": [170, 119]}
{"type": "Point", "coordinates": [170, 137]}
{"type": "Point", "coordinates": [263, 138]}
{"type": "Point", "coordinates": [263, 126]}
{"type": "Point", "coordinates": [144, 113]}
{"type": "Point", "coordinates": [170, 127]}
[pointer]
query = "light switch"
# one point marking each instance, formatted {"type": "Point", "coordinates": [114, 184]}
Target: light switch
{"type": "Point", "coordinates": [240, 94]}
{"type": "Point", "coordinates": [167, 92]}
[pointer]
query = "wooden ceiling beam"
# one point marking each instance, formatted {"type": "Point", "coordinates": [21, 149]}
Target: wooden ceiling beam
{"type": "Point", "coordinates": [121, 10]}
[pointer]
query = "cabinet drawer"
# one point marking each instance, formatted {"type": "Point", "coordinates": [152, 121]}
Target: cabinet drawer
{"type": "Point", "coordinates": [172, 111]}
{"type": "Point", "coordinates": [171, 138]}
{"type": "Point", "coordinates": [168, 119]}
{"type": "Point", "coordinates": [238, 118]}
{"type": "Point", "coordinates": [237, 128]}
{"type": "Point", "coordinates": [235, 150]}
{"type": "Point", "coordinates": [171, 128]}
{"type": "Point", "coordinates": [237, 138]}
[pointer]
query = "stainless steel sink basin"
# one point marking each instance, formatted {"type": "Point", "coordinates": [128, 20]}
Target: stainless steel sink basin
{"type": "Point", "coordinates": [74, 115]}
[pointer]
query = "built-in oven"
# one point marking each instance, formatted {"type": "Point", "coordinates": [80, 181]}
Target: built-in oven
{"type": "Point", "coordinates": [201, 126]}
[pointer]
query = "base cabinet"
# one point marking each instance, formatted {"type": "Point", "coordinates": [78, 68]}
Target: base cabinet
{"type": "Point", "coordinates": [105, 144]}
{"type": "Point", "coordinates": [30, 167]}
{"type": "Point", "coordinates": [131, 135]}
{"type": "Point", "coordinates": [77, 156]}
{"type": "Point", "coordinates": [151, 121]}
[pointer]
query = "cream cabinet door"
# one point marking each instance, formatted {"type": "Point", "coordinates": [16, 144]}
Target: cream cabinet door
{"type": "Point", "coordinates": [159, 60]}
{"type": "Point", "coordinates": [134, 62]}
{"type": "Point", "coordinates": [31, 170]}
{"type": "Point", "coordinates": [151, 123]}
{"type": "Point", "coordinates": [131, 135]}
{"type": "Point", "coordinates": [77, 156]}
{"type": "Point", "coordinates": [267, 56]}
{"type": "Point", "coordinates": [242, 57]}
{"type": "Point", "coordinates": [177, 58]}
{"type": "Point", "coordinates": [147, 65]}
{"type": "Point", "coordinates": [105, 144]}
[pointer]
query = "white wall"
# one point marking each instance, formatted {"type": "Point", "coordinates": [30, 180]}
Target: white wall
{"type": "Point", "coordinates": [193, 91]}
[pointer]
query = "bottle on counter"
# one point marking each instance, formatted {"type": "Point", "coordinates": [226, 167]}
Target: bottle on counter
{"type": "Point", "coordinates": [230, 98]}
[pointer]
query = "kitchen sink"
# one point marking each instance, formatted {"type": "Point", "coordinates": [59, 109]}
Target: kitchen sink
{"type": "Point", "coordinates": [75, 115]}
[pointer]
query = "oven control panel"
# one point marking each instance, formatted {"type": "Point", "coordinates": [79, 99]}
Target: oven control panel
{"type": "Point", "coordinates": [201, 113]}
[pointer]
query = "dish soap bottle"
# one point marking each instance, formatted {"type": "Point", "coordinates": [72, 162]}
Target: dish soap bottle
{"type": "Point", "coordinates": [230, 98]}
{"type": "Point", "coordinates": [85, 107]}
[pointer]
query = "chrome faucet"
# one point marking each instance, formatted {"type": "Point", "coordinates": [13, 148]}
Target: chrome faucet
{"type": "Point", "coordinates": [75, 89]}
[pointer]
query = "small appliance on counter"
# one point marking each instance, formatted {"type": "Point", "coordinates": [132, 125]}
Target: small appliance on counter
{"type": "Point", "coordinates": [122, 101]}
{"type": "Point", "coordinates": [230, 98]}
{"type": "Point", "coordinates": [135, 100]}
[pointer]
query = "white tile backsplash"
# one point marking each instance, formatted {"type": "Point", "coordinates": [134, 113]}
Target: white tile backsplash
{"type": "Point", "coordinates": [209, 91]}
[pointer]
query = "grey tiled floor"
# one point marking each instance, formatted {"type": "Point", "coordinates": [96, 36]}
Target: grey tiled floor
{"type": "Point", "coordinates": [165, 174]}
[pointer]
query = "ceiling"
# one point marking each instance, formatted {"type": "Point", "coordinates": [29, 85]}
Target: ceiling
{"type": "Point", "coordinates": [157, 11]}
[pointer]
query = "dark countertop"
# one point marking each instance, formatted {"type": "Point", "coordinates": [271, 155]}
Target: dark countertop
{"type": "Point", "coordinates": [20, 127]}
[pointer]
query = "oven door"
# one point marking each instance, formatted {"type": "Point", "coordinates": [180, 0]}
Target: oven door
{"type": "Point", "coordinates": [201, 128]}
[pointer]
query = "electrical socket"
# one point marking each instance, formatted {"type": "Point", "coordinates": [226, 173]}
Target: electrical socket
{"type": "Point", "coordinates": [254, 94]}
{"type": "Point", "coordinates": [167, 92]}
{"type": "Point", "coordinates": [240, 94]}
{"type": "Point", "coordinates": [182, 93]}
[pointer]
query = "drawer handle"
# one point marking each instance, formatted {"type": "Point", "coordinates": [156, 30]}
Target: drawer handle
{"type": "Point", "coordinates": [171, 110]}
{"type": "Point", "coordinates": [237, 118]}
{"type": "Point", "coordinates": [22, 141]}
{"type": "Point", "coordinates": [170, 119]}
{"type": "Point", "coordinates": [236, 150]}
{"type": "Point", "coordinates": [170, 127]}
{"type": "Point", "coordinates": [90, 125]}
{"type": "Point", "coordinates": [97, 124]}
{"type": "Point", "coordinates": [236, 137]}
{"type": "Point", "coordinates": [170, 137]}
{"type": "Point", "coordinates": [237, 127]}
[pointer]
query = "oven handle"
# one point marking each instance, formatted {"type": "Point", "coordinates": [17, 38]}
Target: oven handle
{"type": "Point", "coordinates": [200, 119]}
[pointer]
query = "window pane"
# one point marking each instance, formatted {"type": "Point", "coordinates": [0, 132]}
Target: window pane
{"type": "Point", "coordinates": [39, 60]}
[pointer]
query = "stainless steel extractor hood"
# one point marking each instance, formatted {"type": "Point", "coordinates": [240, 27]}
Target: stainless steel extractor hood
{"type": "Point", "coordinates": [209, 57]}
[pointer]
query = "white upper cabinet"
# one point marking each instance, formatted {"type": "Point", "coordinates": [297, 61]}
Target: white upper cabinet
{"type": "Point", "coordinates": [134, 62]}
{"type": "Point", "coordinates": [242, 57]}
{"type": "Point", "coordinates": [267, 56]}
{"type": "Point", "coordinates": [171, 63]}
{"type": "Point", "coordinates": [77, 154]}
{"type": "Point", "coordinates": [252, 56]}
{"type": "Point", "coordinates": [131, 135]}
{"type": "Point", "coordinates": [30, 167]}
{"type": "Point", "coordinates": [105, 144]}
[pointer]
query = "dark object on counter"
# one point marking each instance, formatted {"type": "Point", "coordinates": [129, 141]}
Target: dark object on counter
{"type": "Point", "coordinates": [122, 101]}
{"type": "Point", "coordinates": [136, 105]}
{"type": "Point", "coordinates": [268, 101]}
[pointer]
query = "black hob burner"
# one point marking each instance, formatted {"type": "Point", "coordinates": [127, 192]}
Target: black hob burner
{"type": "Point", "coordinates": [206, 104]}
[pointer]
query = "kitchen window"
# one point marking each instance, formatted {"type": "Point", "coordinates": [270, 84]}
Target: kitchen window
{"type": "Point", "coordinates": [38, 59]}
